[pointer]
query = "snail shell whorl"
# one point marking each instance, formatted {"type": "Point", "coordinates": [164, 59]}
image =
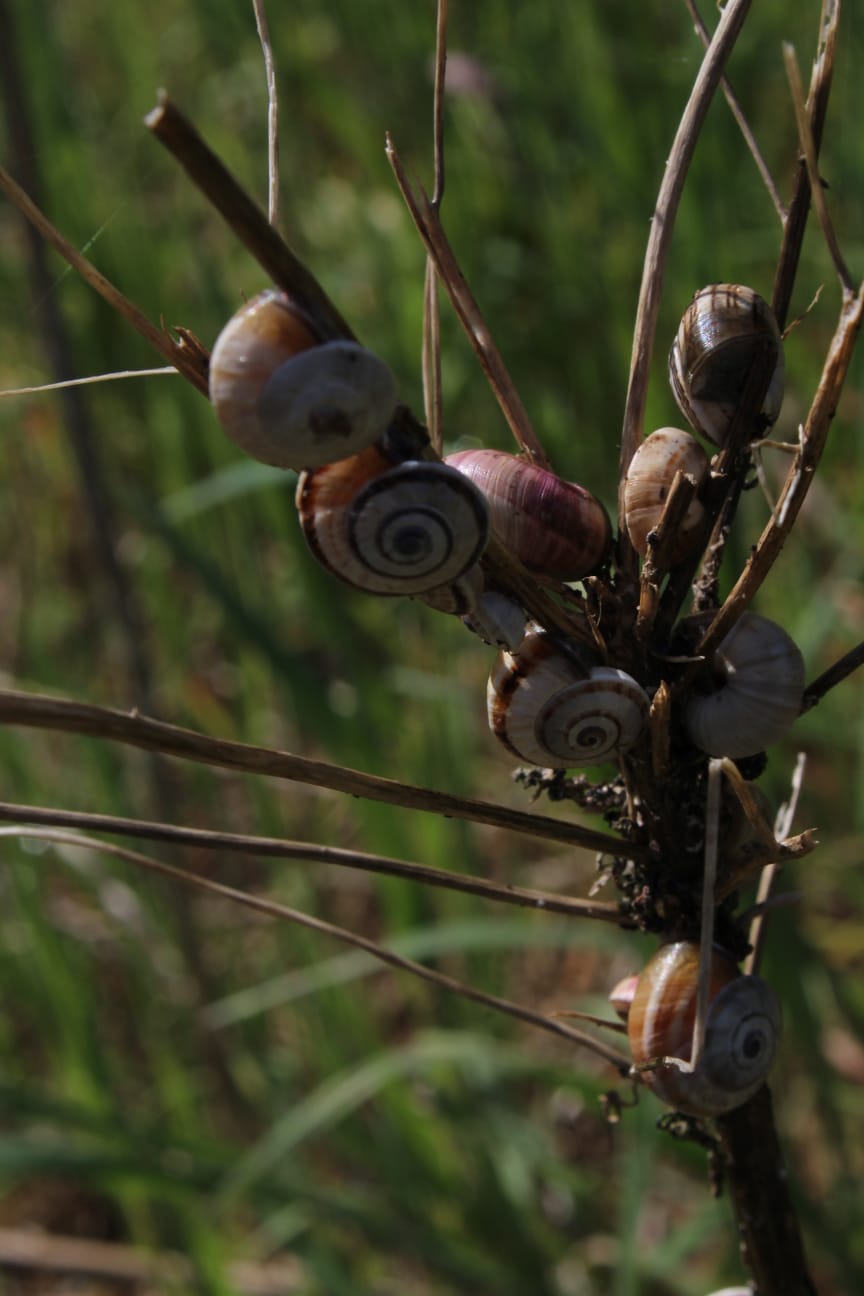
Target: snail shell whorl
{"type": "Point", "coordinates": [403, 530]}
{"type": "Point", "coordinates": [648, 482]}
{"type": "Point", "coordinates": [556, 528]}
{"type": "Point", "coordinates": [760, 673]}
{"type": "Point", "coordinates": [546, 710]}
{"type": "Point", "coordinates": [742, 1030]}
{"type": "Point", "coordinates": [497, 619]}
{"type": "Point", "coordinates": [288, 399]}
{"type": "Point", "coordinates": [712, 353]}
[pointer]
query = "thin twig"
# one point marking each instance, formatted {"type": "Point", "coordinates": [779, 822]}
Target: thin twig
{"type": "Point", "coordinates": [272, 114]}
{"type": "Point", "coordinates": [84, 382]}
{"type": "Point", "coordinates": [657, 251]}
{"type": "Point", "coordinates": [431, 231]}
{"type": "Point", "coordinates": [431, 354]}
{"type": "Point", "coordinates": [738, 114]}
{"type": "Point", "coordinates": [278, 848]}
{"type": "Point", "coordinates": [709, 883]}
{"type": "Point", "coordinates": [782, 829]}
{"type": "Point", "coordinates": [833, 676]}
{"type": "Point", "coordinates": [275, 910]}
{"type": "Point", "coordinates": [41, 712]}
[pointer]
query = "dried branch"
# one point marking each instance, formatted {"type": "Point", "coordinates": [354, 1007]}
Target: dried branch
{"type": "Point", "coordinates": [272, 113]}
{"type": "Point", "coordinates": [833, 676]}
{"type": "Point", "coordinates": [41, 712]}
{"type": "Point", "coordinates": [657, 251]}
{"type": "Point", "coordinates": [431, 231]}
{"type": "Point", "coordinates": [279, 848]}
{"type": "Point", "coordinates": [275, 910]}
{"type": "Point", "coordinates": [431, 354]}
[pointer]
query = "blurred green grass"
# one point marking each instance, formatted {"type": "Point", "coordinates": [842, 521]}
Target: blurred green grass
{"type": "Point", "coordinates": [191, 1077]}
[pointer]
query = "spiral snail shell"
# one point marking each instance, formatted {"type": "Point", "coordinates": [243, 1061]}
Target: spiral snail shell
{"type": "Point", "coordinates": [290, 400]}
{"type": "Point", "coordinates": [759, 676]}
{"type": "Point", "coordinates": [497, 619]}
{"type": "Point", "coordinates": [548, 711]}
{"type": "Point", "coordinates": [719, 337]}
{"type": "Point", "coordinates": [554, 527]}
{"type": "Point", "coordinates": [648, 482]}
{"type": "Point", "coordinates": [402, 530]}
{"type": "Point", "coordinates": [742, 1030]}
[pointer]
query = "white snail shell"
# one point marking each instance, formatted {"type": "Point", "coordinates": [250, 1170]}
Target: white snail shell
{"type": "Point", "coordinates": [742, 1031]}
{"type": "Point", "coordinates": [712, 353]}
{"type": "Point", "coordinates": [759, 673]}
{"type": "Point", "coordinates": [290, 400]}
{"type": "Point", "coordinates": [497, 619]}
{"type": "Point", "coordinates": [402, 530]}
{"type": "Point", "coordinates": [460, 597]}
{"type": "Point", "coordinates": [556, 528]}
{"type": "Point", "coordinates": [548, 711]}
{"type": "Point", "coordinates": [648, 482]}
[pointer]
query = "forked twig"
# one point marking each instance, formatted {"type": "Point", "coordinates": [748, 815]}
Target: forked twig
{"type": "Point", "coordinates": [273, 909]}
{"type": "Point", "coordinates": [41, 712]}
{"type": "Point", "coordinates": [278, 848]}
{"type": "Point", "coordinates": [437, 245]}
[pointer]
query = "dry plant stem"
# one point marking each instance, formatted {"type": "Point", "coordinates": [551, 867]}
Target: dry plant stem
{"type": "Point", "coordinates": [817, 106]}
{"type": "Point", "coordinates": [175, 353]}
{"type": "Point", "coordinates": [275, 910]}
{"type": "Point", "coordinates": [768, 849]}
{"type": "Point", "coordinates": [657, 251]}
{"type": "Point", "coordinates": [709, 881]}
{"type": "Point", "coordinates": [738, 114]}
{"type": "Point", "coordinates": [759, 924]}
{"type": "Point", "coordinates": [808, 148]}
{"type": "Point", "coordinates": [431, 355]}
{"type": "Point", "coordinates": [41, 712]}
{"type": "Point", "coordinates": [272, 114]}
{"type": "Point", "coordinates": [656, 564]}
{"type": "Point", "coordinates": [801, 472]}
{"type": "Point", "coordinates": [431, 231]}
{"type": "Point", "coordinates": [278, 848]}
{"type": "Point", "coordinates": [770, 1238]}
{"type": "Point", "coordinates": [86, 382]}
{"type": "Point", "coordinates": [245, 218]}
{"type": "Point", "coordinates": [833, 676]}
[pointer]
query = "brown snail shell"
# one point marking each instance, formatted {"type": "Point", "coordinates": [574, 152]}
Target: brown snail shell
{"type": "Point", "coordinates": [403, 530]}
{"type": "Point", "coordinates": [290, 400]}
{"type": "Point", "coordinates": [743, 1026]}
{"type": "Point", "coordinates": [556, 528]}
{"type": "Point", "coordinates": [648, 482]}
{"type": "Point", "coordinates": [759, 673]}
{"type": "Point", "coordinates": [718, 339]}
{"type": "Point", "coordinates": [460, 597]}
{"type": "Point", "coordinates": [547, 710]}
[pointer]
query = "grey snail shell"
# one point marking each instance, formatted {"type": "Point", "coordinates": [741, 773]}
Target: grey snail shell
{"type": "Point", "coordinates": [759, 676]}
{"type": "Point", "coordinates": [717, 341]}
{"type": "Point", "coordinates": [460, 597]}
{"type": "Point", "coordinates": [402, 530]}
{"type": "Point", "coordinates": [556, 528]}
{"type": "Point", "coordinates": [548, 711]}
{"type": "Point", "coordinates": [743, 1027]}
{"type": "Point", "coordinates": [497, 619]}
{"type": "Point", "coordinates": [648, 482]}
{"type": "Point", "coordinates": [290, 400]}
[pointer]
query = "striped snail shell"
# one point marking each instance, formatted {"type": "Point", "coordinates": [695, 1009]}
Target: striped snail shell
{"type": "Point", "coordinates": [648, 482]}
{"type": "Point", "coordinates": [402, 530]}
{"type": "Point", "coordinates": [547, 710]}
{"type": "Point", "coordinates": [554, 527]}
{"type": "Point", "coordinates": [742, 1030]}
{"type": "Point", "coordinates": [759, 682]}
{"type": "Point", "coordinates": [718, 338]}
{"type": "Point", "coordinates": [290, 400]}
{"type": "Point", "coordinates": [460, 597]}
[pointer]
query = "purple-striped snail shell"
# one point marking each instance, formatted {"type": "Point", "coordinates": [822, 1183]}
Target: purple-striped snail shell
{"type": "Point", "coordinates": [742, 1030]}
{"type": "Point", "coordinates": [392, 530]}
{"type": "Point", "coordinates": [554, 527]}
{"type": "Point", "coordinates": [289, 399]}
{"type": "Point", "coordinates": [547, 709]}
{"type": "Point", "coordinates": [720, 334]}
{"type": "Point", "coordinates": [648, 482]}
{"type": "Point", "coordinates": [758, 677]}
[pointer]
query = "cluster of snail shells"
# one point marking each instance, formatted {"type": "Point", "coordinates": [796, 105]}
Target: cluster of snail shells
{"type": "Point", "coordinates": [553, 710]}
{"type": "Point", "coordinates": [722, 332]}
{"type": "Point", "coordinates": [742, 1029]}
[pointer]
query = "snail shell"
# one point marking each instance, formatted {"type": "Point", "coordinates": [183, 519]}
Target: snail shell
{"type": "Point", "coordinates": [546, 710]}
{"type": "Point", "coordinates": [759, 674]}
{"type": "Point", "coordinates": [554, 527]}
{"type": "Point", "coordinates": [648, 482]}
{"type": "Point", "coordinates": [403, 530]}
{"type": "Point", "coordinates": [741, 1033]}
{"type": "Point", "coordinates": [718, 339]}
{"type": "Point", "coordinates": [497, 619]}
{"type": "Point", "coordinates": [458, 598]}
{"type": "Point", "coordinates": [288, 399]}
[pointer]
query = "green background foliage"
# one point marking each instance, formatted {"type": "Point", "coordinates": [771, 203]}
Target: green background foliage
{"type": "Point", "coordinates": [180, 1073]}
